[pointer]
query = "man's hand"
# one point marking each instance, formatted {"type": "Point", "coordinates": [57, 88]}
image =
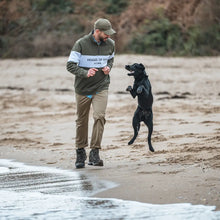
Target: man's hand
{"type": "Point", "coordinates": [91, 72]}
{"type": "Point", "coordinates": [106, 70]}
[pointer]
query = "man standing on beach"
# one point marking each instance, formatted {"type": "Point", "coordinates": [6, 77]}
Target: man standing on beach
{"type": "Point", "coordinates": [91, 60]}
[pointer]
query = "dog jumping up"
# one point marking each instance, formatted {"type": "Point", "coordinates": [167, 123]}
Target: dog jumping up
{"type": "Point", "coordinates": [141, 89]}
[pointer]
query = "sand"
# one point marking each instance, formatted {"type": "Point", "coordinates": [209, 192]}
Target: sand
{"type": "Point", "coordinates": [38, 126]}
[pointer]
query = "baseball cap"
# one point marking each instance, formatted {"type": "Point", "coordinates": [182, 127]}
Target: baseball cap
{"type": "Point", "coordinates": [105, 26]}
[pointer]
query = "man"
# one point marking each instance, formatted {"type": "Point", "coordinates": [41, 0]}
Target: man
{"type": "Point", "coordinates": [91, 60]}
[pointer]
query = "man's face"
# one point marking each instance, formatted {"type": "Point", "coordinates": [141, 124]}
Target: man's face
{"type": "Point", "coordinates": [102, 36]}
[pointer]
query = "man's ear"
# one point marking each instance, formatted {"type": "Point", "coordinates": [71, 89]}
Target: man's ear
{"type": "Point", "coordinates": [97, 31]}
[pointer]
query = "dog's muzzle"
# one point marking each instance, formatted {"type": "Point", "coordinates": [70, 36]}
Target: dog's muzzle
{"type": "Point", "coordinates": [131, 74]}
{"type": "Point", "coordinates": [128, 67]}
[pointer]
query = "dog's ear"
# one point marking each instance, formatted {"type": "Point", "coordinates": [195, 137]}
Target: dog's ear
{"type": "Point", "coordinates": [141, 66]}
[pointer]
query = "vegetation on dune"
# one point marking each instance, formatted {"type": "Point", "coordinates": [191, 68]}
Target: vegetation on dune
{"type": "Point", "coordinates": [161, 37]}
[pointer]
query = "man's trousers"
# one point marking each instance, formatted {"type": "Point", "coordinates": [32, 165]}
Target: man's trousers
{"type": "Point", "coordinates": [83, 104]}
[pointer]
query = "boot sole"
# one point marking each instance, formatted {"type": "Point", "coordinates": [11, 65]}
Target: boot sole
{"type": "Point", "coordinates": [80, 166]}
{"type": "Point", "coordinates": [100, 164]}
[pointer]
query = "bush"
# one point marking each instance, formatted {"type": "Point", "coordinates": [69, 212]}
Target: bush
{"type": "Point", "coordinates": [161, 37]}
{"type": "Point", "coordinates": [116, 6]}
{"type": "Point", "coordinates": [53, 6]}
{"type": "Point", "coordinates": [157, 37]}
{"type": "Point", "coordinates": [200, 41]}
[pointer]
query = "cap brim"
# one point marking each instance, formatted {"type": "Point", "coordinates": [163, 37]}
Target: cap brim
{"type": "Point", "coordinates": [110, 32]}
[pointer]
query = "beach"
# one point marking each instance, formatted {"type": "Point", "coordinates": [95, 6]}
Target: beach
{"type": "Point", "coordinates": [38, 114]}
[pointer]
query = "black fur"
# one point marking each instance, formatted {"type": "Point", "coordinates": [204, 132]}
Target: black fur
{"type": "Point", "coordinates": [141, 89]}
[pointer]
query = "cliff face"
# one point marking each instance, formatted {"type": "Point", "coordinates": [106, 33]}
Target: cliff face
{"type": "Point", "coordinates": [49, 28]}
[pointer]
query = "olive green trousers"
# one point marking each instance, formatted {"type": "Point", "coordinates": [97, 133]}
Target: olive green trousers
{"type": "Point", "coordinates": [83, 104]}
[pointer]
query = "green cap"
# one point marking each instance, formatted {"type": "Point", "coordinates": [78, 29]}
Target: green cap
{"type": "Point", "coordinates": [105, 26]}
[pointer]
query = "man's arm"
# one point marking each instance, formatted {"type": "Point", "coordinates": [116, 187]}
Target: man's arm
{"type": "Point", "coordinates": [76, 70]}
{"type": "Point", "coordinates": [74, 58]}
{"type": "Point", "coordinates": [110, 62]}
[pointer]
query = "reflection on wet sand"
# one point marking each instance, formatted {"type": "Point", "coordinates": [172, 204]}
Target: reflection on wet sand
{"type": "Point", "coordinates": [21, 178]}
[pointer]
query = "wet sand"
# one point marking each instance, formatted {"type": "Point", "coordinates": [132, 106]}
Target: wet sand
{"type": "Point", "coordinates": [38, 126]}
{"type": "Point", "coordinates": [37, 192]}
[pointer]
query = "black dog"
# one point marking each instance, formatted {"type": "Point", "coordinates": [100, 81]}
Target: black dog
{"type": "Point", "coordinates": [141, 89]}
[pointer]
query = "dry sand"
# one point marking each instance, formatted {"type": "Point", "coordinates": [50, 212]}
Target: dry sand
{"type": "Point", "coordinates": [38, 126]}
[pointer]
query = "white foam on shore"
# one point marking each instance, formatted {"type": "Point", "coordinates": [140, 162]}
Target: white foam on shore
{"type": "Point", "coordinates": [33, 203]}
{"type": "Point", "coordinates": [50, 180]}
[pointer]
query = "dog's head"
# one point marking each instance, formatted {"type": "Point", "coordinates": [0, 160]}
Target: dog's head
{"type": "Point", "coordinates": [137, 70]}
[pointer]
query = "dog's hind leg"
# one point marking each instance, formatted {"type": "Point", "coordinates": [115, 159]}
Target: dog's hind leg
{"type": "Point", "coordinates": [149, 123]}
{"type": "Point", "coordinates": [136, 127]}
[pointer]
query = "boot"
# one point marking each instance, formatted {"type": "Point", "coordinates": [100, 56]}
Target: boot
{"type": "Point", "coordinates": [80, 158]}
{"type": "Point", "coordinates": [94, 158]}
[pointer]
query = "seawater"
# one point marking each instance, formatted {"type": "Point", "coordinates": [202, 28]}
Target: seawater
{"type": "Point", "coordinates": [32, 192]}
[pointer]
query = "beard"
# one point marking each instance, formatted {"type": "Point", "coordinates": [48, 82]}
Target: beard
{"type": "Point", "coordinates": [103, 39]}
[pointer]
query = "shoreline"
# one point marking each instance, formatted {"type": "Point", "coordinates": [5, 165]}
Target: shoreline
{"type": "Point", "coordinates": [159, 187]}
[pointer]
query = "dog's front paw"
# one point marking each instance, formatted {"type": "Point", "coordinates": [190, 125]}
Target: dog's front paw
{"type": "Point", "coordinates": [129, 88]}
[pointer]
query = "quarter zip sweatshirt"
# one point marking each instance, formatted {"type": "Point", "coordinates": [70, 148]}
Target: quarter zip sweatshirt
{"type": "Point", "coordinates": [87, 53]}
